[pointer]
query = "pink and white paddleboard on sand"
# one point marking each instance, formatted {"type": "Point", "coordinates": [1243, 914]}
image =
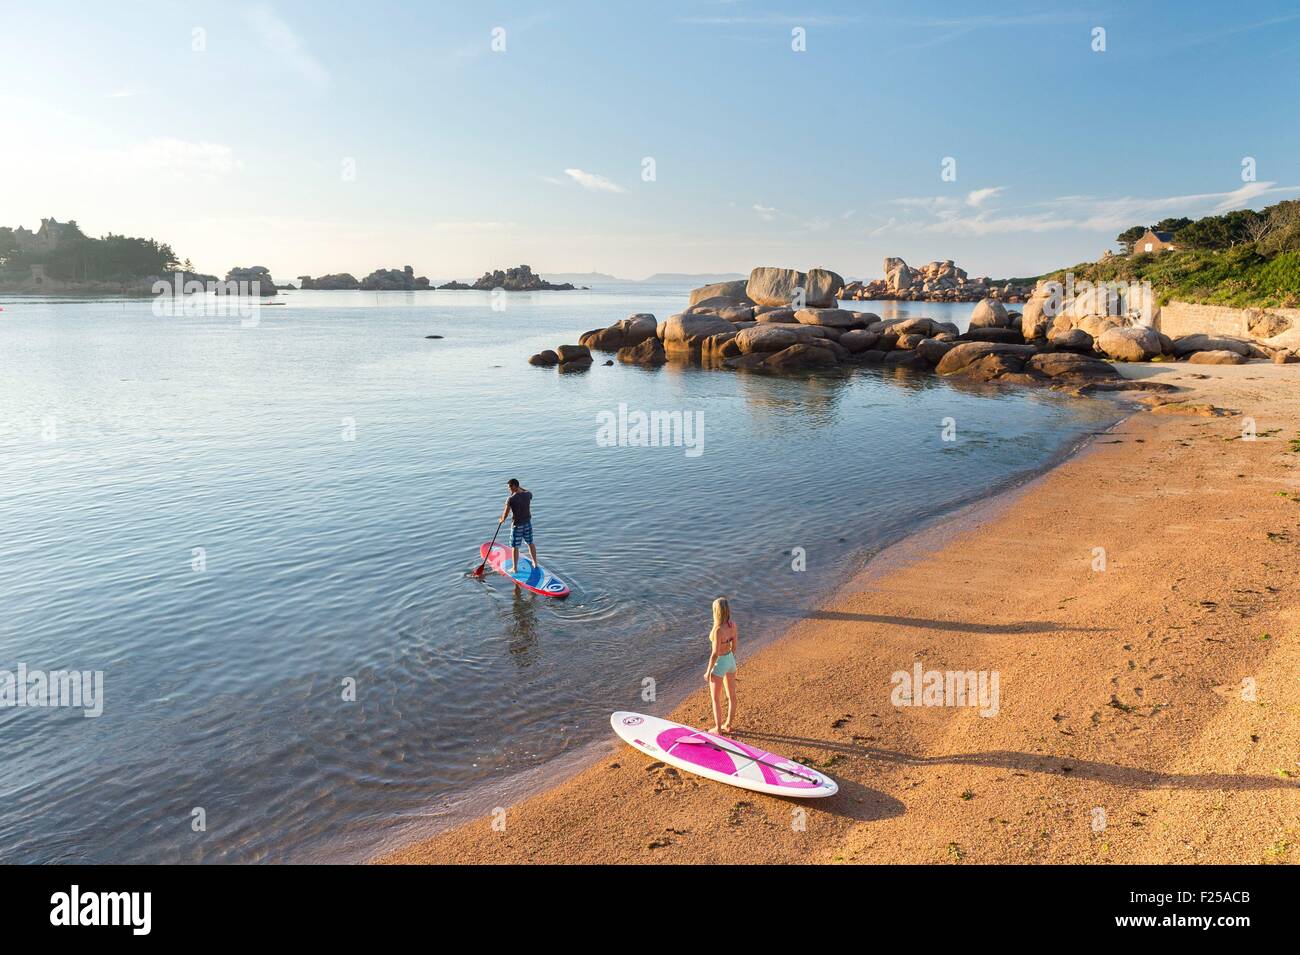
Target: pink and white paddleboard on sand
{"type": "Point", "coordinates": [719, 758]}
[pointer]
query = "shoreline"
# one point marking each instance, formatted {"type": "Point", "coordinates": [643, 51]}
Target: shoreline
{"type": "Point", "coordinates": [807, 692]}
{"type": "Point", "coordinates": [536, 780]}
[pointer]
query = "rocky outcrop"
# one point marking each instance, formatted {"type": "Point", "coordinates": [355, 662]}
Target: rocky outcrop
{"type": "Point", "coordinates": [394, 280]}
{"type": "Point", "coordinates": [1263, 324]}
{"type": "Point", "coordinates": [823, 287]}
{"type": "Point", "coordinates": [622, 334]}
{"type": "Point", "coordinates": [338, 281]}
{"type": "Point", "coordinates": [989, 313]}
{"type": "Point", "coordinates": [781, 287]}
{"type": "Point", "coordinates": [519, 279]}
{"type": "Point", "coordinates": [721, 295]}
{"type": "Point", "coordinates": [649, 352]}
{"type": "Point", "coordinates": [1038, 313]}
{"type": "Point", "coordinates": [545, 359]}
{"type": "Point", "coordinates": [767, 286]}
{"type": "Point", "coordinates": [859, 340]}
{"type": "Point", "coordinates": [573, 357]}
{"type": "Point", "coordinates": [940, 281]}
{"type": "Point", "coordinates": [829, 317]}
{"type": "Point", "coordinates": [690, 330]}
{"type": "Point", "coordinates": [1135, 343]}
{"type": "Point", "coordinates": [1067, 365]}
{"type": "Point", "coordinates": [993, 334]}
{"type": "Point", "coordinates": [916, 325]}
{"type": "Point", "coordinates": [1070, 339]}
{"type": "Point", "coordinates": [567, 357]}
{"type": "Point", "coordinates": [767, 338]}
{"type": "Point", "coordinates": [1217, 357]}
{"type": "Point", "coordinates": [933, 350]}
{"type": "Point", "coordinates": [751, 328]}
{"type": "Point", "coordinates": [255, 279]}
{"type": "Point", "coordinates": [777, 316]}
{"type": "Point", "coordinates": [1190, 344]}
{"type": "Point", "coordinates": [967, 353]}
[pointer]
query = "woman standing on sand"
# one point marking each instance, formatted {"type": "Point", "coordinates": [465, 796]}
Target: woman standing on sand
{"type": "Point", "coordinates": [721, 671]}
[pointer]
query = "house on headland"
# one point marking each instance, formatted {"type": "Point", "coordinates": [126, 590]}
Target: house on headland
{"type": "Point", "coordinates": [44, 239]}
{"type": "Point", "coordinates": [1154, 241]}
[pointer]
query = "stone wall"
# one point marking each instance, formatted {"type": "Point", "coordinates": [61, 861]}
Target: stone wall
{"type": "Point", "coordinates": [1184, 318]}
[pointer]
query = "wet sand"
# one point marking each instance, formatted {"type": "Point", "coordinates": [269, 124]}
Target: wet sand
{"type": "Point", "coordinates": [1148, 709]}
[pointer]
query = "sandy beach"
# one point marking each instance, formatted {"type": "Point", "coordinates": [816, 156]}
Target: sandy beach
{"type": "Point", "coordinates": [1148, 706]}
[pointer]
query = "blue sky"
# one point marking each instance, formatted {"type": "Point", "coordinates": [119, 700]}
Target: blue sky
{"type": "Point", "coordinates": [232, 143]}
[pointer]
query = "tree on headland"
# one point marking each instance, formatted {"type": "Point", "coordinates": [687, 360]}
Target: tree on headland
{"type": "Point", "coordinates": [1129, 236]}
{"type": "Point", "coordinates": [1216, 233]}
{"type": "Point", "coordinates": [1278, 230]}
{"type": "Point", "coordinates": [1172, 225]}
{"type": "Point", "coordinates": [78, 258]}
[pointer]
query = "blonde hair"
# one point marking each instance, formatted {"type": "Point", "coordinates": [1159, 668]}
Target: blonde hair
{"type": "Point", "coordinates": [721, 614]}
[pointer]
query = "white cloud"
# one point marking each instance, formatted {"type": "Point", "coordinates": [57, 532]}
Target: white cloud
{"type": "Point", "coordinates": [977, 197]}
{"type": "Point", "coordinates": [279, 38]}
{"type": "Point", "coordinates": [766, 213]}
{"type": "Point", "coordinates": [593, 181]}
{"type": "Point", "coordinates": [884, 227]}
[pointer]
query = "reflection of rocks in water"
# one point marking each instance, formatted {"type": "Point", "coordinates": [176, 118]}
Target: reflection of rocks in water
{"type": "Point", "coordinates": [523, 626]}
{"type": "Point", "coordinates": [812, 401]}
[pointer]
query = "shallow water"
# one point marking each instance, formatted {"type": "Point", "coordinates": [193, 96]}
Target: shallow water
{"type": "Point", "coordinates": [339, 471]}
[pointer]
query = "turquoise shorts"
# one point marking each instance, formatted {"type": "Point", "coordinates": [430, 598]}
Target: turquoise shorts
{"type": "Point", "coordinates": [726, 664]}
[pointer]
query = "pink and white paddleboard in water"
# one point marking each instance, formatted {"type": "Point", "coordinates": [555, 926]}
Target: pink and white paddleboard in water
{"type": "Point", "coordinates": [719, 758]}
{"type": "Point", "coordinates": [537, 579]}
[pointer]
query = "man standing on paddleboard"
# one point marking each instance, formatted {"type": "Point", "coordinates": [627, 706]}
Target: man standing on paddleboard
{"type": "Point", "coordinates": [519, 505]}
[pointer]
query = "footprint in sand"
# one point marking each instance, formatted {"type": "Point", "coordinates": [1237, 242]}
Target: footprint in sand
{"type": "Point", "coordinates": [738, 812]}
{"type": "Point", "coordinates": [666, 778]}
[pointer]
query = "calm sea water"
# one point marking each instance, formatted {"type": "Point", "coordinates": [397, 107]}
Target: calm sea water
{"type": "Point", "coordinates": [338, 471]}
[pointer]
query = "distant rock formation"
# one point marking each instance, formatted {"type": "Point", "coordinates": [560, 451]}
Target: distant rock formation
{"type": "Point", "coordinates": [254, 277]}
{"type": "Point", "coordinates": [519, 279]}
{"type": "Point", "coordinates": [337, 280]}
{"type": "Point", "coordinates": [393, 280]}
{"type": "Point", "coordinates": [936, 282]}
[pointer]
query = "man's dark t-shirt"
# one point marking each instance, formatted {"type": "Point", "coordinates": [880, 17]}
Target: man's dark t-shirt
{"type": "Point", "coordinates": [521, 506]}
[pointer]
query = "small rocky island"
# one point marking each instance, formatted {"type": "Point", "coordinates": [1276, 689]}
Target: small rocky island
{"type": "Point", "coordinates": [785, 321]}
{"type": "Point", "coordinates": [241, 279]}
{"type": "Point", "coordinates": [519, 279]}
{"type": "Point", "coordinates": [380, 280]}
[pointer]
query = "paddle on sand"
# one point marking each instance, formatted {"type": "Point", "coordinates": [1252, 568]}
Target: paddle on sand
{"type": "Point", "coordinates": [479, 572]}
{"type": "Point", "coordinates": [701, 741]}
